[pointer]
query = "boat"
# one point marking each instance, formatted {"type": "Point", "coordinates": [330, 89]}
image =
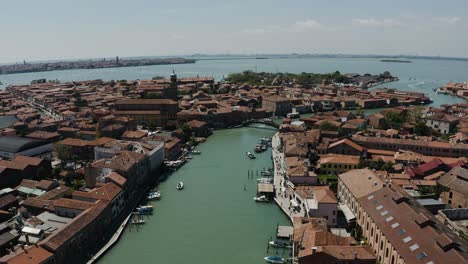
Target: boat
{"type": "Point", "coordinates": [258, 148]}
{"type": "Point", "coordinates": [188, 157]}
{"type": "Point", "coordinates": [274, 259]}
{"type": "Point", "coordinates": [250, 155]}
{"type": "Point", "coordinates": [264, 147]}
{"type": "Point", "coordinates": [196, 152]}
{"type": "Point", "coordinates": [266, 173]}
{"type": "Point", "coordinates": [137, 221]}
{"type": "Point", "coordinates": [293, 115]}
{"type": "Point", "coordinates": [180, 186]}
{"type": "Point", "coordinates": [154, 195]}
{"type": "Point", "coordinates": [280, 244]}
{"type": "Point", "coordinates": [265, 140]}
{"type": "Point", "coordinates": [145, 209]}
{"type": "Point", "coordinates": [262, 198]}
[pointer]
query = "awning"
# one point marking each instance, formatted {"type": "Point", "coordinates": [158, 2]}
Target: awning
{"type": "Point", "coordinates": [349, 215]}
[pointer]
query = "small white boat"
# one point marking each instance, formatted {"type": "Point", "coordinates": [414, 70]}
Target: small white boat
{"type": "Point", "coordinates": [274, 259]}
{"type": "Point", "coordinates": [280, 244]}
{"type": "Point", "coordinates": [137, 221]}
{"type": "Point", "coordinates": [250, 155]}
{"type": "Point", "coordinates": [180, 186]}
{"type": "Point", "coordinates": [188, 157]}
{"type": "Point", "coordinates": [262, 198]}
{"type": "Point", "coordinates": [196, 152]}
{"type": "Point", "coordinates": [154, 195]}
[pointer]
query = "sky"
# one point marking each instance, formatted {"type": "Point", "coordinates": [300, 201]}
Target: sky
{"type": "Point", "coordinates": [68, 29]}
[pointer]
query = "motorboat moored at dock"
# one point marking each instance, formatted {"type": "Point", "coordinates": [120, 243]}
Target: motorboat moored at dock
{"type": "Point", "coordinates": [280, 243]}
{"type": "Point", "coordinates": [195, 152]}
{"type": "Point", "coordinates": [137, 221]}
{"type": "Point", "coordinates": [262, 198]}
{"type": "Point", "coordinates": [274, 259]}
{"type": "Point", "coordinates": [180, 186]}
{"type": "Point", "coordinates": [154, 196]}
{"type": "Point", "coordinates": [145, 209]}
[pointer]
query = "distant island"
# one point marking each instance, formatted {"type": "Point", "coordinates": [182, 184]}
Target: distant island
{"type": "Point", "coordinates": [89, 64]}
{"type": "Point", "coordinates": [398, 61]}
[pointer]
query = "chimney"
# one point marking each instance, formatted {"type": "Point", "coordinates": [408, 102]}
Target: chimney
{"type": "Point", "coordinates": [314, 250]}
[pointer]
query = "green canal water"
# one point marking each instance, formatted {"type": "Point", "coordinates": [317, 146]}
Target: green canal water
{"type": "Point", "coordinates": [213, 220]}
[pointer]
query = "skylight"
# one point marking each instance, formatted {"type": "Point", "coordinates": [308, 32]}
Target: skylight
{"type": "Point", "coordinates": [384, 213]}
{"type": "Point", "coordinates": [395, 225]}
{"type": "Point", "coordinates": [388, 219]}
{"type": "Point", "coordinates": [401, 232]}
{"type": "Point", "coordinates": [379, 207]}
{"type": "Point", "coordinates": [407, 239]}
{"type": "Point", "coordinates": [414, 247]}
{"type": "Point", "coordinates": [370, 197]}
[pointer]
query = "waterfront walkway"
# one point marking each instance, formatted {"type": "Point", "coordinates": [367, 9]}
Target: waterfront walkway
{"type": "Point", "coordinates": [281, 196]}
{"type": "Point", "coordinates": [111, 241]}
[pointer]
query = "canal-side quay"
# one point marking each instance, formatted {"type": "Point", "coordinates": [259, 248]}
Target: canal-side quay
{"type": "Point", "coordinates": [214, 219]}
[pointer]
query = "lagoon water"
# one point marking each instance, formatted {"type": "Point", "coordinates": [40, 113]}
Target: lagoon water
{"type": "Point", "coordinates": [421, 75]}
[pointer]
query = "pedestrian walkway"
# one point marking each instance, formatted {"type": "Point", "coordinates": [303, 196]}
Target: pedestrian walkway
{"type": "Point", "coordinates": [281, 196]}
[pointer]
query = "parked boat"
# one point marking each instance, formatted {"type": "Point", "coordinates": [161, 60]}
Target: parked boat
{"type": "Point", "coordinates": [196, 152]}
{"type": "Point", "coordinates": [154, 195]}
{"type": "Point", "coordinates": [266, 173]}
{"type": "Point", "coordinates": [180, 186]}
{"type": "Point", "coordinates": [264, 147]}
{"type": "Point", "coordinates": [145, 209]}
{"type": "Point", "coordinates": [137, 221]}
{"type": "Point", "coordinates": [262, 198]}
{"type": "Point", "coordinates": [258, 148]}
{"type": "Point", "coordinates": [188, 157]}
{"type": "Point", "coordinates": [280, 244]}
{"type": "Point", "coordinates": [250, 155]}
{"type": "Point", "coordinates": [293, 115]}
{"type": "Point", "coordinates": [265, 140]}
{"type": "Point", "coordinates": [274, 259]}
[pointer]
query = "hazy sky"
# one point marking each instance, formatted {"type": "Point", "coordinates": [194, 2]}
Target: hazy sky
{"type": "Point", "coordinates": [65, 29]}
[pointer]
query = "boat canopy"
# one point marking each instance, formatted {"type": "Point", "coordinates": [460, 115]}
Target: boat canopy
{"type": "Point", "coordinates": [294, 203]}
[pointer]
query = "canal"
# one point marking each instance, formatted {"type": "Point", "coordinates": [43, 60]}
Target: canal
{"type": "Point", "coordinates": [213, 220]}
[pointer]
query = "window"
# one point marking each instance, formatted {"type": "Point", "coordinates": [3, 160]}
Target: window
{"type": "Point", "coordinates": [421, 255]}
{"type": "Point", "coordinates": [450, 194]}
{"type": "Point", "coordinates": [401, 232]}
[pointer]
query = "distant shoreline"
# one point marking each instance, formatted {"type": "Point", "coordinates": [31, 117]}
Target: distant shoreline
{"type": "Point", "coordinates": [397, 61]}
{"type": "Point", "coordinates": [88, 64]}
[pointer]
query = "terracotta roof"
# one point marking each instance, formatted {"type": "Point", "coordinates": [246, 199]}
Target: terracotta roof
{"type": "Point", "coordinates": [27, 160]}
{"type": "Point", "coordinates": [31, 255]}
{"type": "Point", "coordinates": [72, 204]}
{"type": "Point", "coordinates": [347, 142]}
{"type": "Point", "coordinates": [361, 182]}
{"type": "Point", "coordinates": [412, 230]}
{"type": "Point", "coordinates": [58, 239]}
{"type": "Point", "coordinates": [107, 192]}
{"type": "Point", "coordinates": [456, 179]}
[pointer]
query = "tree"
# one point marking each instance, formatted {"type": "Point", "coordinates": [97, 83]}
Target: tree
{"type": "Point", "coordinates": [327, 126]}
{"type": "Point", "coordinates": [63, 152]}
{"type": "Point", "coordinates": [187, 130]}
{"type": "Point", "coordinates": [421, 129]}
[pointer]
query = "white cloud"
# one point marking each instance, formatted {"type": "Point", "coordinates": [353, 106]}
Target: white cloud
{"type": "Point", "coordinates": [298, 26]}
{"type": "Point", "coordinates": [308, 24]}
{"type": "Point", "coordinates": [448, 20]}
{"type": "Point", "coordinates": [372, 22]}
